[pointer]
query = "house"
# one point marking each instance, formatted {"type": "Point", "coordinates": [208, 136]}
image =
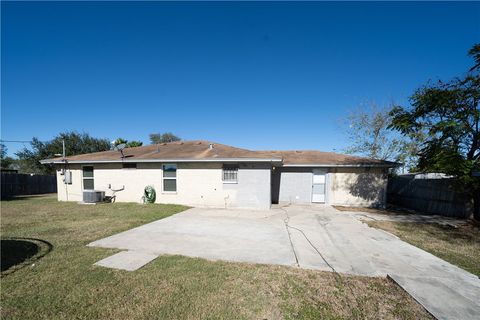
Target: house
{"type": "Point", "coordinates": [207, 174]}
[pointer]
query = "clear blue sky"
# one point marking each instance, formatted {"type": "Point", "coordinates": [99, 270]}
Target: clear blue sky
{"type": "Point", "coordinates": [255, 75]}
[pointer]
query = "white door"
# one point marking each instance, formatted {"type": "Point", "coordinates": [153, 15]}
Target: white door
{"type": "Point", "coordinates": [318, 185]}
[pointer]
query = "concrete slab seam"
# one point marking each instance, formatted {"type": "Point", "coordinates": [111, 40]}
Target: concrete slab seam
{"type": "Point", "coordinates": [285, 221]}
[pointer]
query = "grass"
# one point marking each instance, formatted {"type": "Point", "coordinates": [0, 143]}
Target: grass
{"type": "Point", "coordinates": [64, 283]}
{"type": "Point", "coordinates": [457, 245]}
{"type": "Point", "coordinates": [388, 211]}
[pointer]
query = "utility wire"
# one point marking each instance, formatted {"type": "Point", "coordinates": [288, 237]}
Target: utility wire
{"type": "Point", "coordinates": [16, 141]}
{"type": "Point", "coordinates": [22, 141]}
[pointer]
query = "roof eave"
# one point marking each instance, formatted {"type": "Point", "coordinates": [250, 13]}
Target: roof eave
{"type": "Point", "coordinates": [361, 165]}
{"type": "Point", "coordinates": [62, 161]}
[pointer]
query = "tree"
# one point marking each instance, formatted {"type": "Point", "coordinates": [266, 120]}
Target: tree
{"type": "Point", "coordinates": [134, 143]}
{"type": "Point", "coordinates": [75, 143]}
{"type": "Point", "coordinates": [128, 144]}
{"type": "Point", "coordinates": [119, 141]}
{"type": "Point", "coordinates": [5, 161]}
{"type": "Point", "coordinates": [449, 114]}
{"type": "Point", "coordinates": [163, 137]}
{"type": "Point", "coordinates": [475, 54]}
{"type": "Point", "coordinates": [370, 136]}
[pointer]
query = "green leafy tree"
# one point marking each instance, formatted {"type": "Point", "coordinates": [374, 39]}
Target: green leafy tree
{"type": "Point", "coordinates": [5, 161]}
{"type": "Point", "coordinates": [134, 143]}
{"type": "Point", "coordinates": [369, 135]}
{"type": "Point", "coordinates": [119, 141]}
{"type": "Point", "coordinates": [475, 54]}
{"type": "Point", "coordinates": [163, 137]}
{"type": "Point", "coordinates": [449, 115]}
{"type": "Point", "coordinates": [128, 144]}
{"type": "Point", "coordinates": [75, 143]}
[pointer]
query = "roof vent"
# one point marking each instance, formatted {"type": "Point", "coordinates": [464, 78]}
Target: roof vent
{"type": "Point", "coordinates": [210, 146]}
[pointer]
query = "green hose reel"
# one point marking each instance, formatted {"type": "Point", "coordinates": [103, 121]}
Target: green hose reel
{"type": "Point", "coordinates": [149, 195]}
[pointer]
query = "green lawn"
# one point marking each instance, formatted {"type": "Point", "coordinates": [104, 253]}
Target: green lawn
{"type": "Point", "coordinates": [64, 284]}
{"type": "Point", "coordinates": [459, 246]}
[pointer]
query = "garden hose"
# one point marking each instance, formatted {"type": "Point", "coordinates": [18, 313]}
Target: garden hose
{"type": "Point", "coordinates": [149, 195]}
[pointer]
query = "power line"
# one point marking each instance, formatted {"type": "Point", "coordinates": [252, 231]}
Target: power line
{"type": "Point", "coordinates": [17, 141]}
{"type": "Point", "coordinates": [23, 141]}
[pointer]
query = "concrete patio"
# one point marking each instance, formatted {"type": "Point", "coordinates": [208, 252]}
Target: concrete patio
{"type": "Point", "coordinates": [314, 237]}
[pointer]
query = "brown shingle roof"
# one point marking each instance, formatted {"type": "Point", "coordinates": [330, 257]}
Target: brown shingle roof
{"type": "Point", "coordinates": [187, 150]}
{"type": "Point", "coordinates": [314, 157]}
{"type": "Point", "coordinates": [199, 150]}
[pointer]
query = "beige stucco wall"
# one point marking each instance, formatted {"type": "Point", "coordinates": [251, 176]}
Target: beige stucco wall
{"type": "Point", "coordinates": [201, 185]}
{"type": "Point", "coordinates": [345, 186]}
{"type": "Point", "coordinates": [356, 186]}
{"type": "Point", "coordinates": [198, 184]}
{"type": "Point", "coordinates": [69, 192]}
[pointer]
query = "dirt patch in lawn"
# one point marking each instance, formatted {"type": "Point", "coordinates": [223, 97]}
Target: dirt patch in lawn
{"type": "Point", "coordinates": [17, 253]}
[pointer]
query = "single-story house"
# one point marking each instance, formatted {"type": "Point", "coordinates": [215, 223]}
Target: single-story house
{"type": "Point", "coordinates": [207, 174]}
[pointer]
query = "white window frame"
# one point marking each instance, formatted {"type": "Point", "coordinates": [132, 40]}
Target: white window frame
{"type": "Point", "coordinates": [88, 178]}
{"type": "Point", "coordinates": [169, 178]}
{"type": "Point", "coordinates": [230, 181]}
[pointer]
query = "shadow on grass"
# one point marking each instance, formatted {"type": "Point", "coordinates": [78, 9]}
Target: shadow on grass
{"type": "Point", "coordinates": [26, 197]}
{"type": "Point", "coordinates": [450, 234]}
{"type": "Point", "coordinates": [16, 253]}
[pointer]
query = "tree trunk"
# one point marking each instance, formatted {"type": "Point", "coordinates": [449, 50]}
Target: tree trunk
{"type": "Point", "coordinates": [476, 207]}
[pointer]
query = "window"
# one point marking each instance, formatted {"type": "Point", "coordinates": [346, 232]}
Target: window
{"type": "Point", "coordinates": [230, 173]}
{"type": "Point", "coordinates": [169, 178]}
{"type": "Point", "coordinates": [129, 165]}
{"type": "Point", "coordinates": [88, 178]}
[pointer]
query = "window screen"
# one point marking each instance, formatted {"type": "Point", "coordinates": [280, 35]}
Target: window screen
{"type": "Point", "coordinates": [170, 185]}
{"type": "Point", "coordinates": [88, 178]}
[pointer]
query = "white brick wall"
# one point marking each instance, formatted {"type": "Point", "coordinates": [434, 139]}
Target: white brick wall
{"type": "Point", "coordinates": [198, 184]}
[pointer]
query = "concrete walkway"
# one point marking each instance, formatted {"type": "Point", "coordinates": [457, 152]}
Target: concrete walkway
{"type": "Point", "coordinates": [315, 237]}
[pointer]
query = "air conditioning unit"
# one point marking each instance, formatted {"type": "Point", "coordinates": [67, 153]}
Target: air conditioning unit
{"type": "Point", "coordinates": [93, 196]}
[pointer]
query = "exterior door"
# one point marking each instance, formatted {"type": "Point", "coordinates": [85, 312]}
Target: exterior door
{"type": "Point", "coordinates": [318, 185]}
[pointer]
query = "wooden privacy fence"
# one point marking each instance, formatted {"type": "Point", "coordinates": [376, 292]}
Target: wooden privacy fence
{"type": "Point", "coordinates": [14, 184]}
{"type": "Point", "coordinates": [429, 196]}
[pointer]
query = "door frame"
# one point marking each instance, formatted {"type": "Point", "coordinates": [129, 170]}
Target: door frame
{"type": "Point", "coordinates": [325, 173]}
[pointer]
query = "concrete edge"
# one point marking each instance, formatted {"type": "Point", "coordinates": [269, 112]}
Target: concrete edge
{"type": "Point", "coordinates": [390, 234]}
{"type": "Point", "coordinates": [142, 261]}
{"type": "Point", "coordinates": [381, 230]}
{"type": "Point", "coordinates": [390, 278]}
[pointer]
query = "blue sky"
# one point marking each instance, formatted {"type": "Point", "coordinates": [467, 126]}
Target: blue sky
{"type": "Point", "coordinates": [256, 75]}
